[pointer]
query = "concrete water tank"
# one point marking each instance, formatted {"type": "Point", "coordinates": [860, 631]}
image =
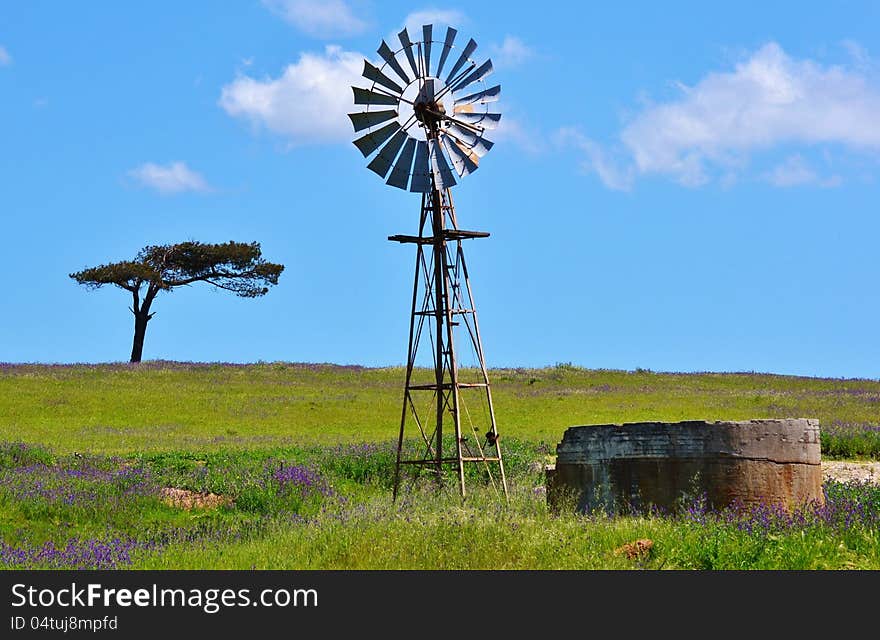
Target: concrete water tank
{"type": "Point", "coordinates": [636, 465]}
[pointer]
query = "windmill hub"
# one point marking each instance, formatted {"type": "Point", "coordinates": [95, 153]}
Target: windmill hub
{"type": "Point", "coordinates": [424, 105]}
{"type": "Point", "coordinates": [430, 113]}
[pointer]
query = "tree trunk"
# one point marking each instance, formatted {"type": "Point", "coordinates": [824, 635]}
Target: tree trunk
{"type": "Point", "coordinates": [140, 330]}
{"type": "Point", "coordinates": [142, 316]}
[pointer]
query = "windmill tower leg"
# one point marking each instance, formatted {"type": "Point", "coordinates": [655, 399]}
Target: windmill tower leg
{"type": "Point", "coordinates": [478, 344]}
{"type": "Point", "coordinates": [416, 324]}
{"type": "Point", "coordinates": [445, 304]}
{"type": "Point", "coordinates": [439, 253]}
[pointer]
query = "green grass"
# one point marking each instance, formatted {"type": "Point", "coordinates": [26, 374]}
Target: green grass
{"type": "Point", "coordinates": [348, 521]}
{"type": "Point", "coordinates": [159, 406]}
{"type": "Point", "coordinates": [470, 539]}
{"type": "Point", "coordinates": [306, 454]}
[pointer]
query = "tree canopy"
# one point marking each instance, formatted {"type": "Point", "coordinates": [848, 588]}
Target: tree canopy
{"type": "Point", "coordinates": [233, 266]}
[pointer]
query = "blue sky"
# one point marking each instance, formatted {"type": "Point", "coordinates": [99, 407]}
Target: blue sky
{"type": "Point", "coordinates": [689, 188]}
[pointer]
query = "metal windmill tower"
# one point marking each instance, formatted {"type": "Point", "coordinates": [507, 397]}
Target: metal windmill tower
{"type": "Point", "coordinates": [419, 111]}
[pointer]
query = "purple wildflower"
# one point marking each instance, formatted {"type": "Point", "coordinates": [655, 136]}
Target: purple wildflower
{"type": "Point", "coordinates": [301, 479]}
{"type": "Point", "coordinates": [74, 554]}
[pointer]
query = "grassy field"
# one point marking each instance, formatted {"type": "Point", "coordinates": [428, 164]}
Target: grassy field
{"type": "Point", "coordinates": [300, 457]}
{"type": "Point", "coordinates": [205, 407]}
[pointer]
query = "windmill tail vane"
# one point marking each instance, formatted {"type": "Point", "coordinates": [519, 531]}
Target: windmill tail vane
{"type": "Point", "coordinates": [425, 115]}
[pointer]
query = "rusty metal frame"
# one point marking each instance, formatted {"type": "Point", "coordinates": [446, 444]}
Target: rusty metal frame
{"type": "Point", "coordinates": [442, 299]}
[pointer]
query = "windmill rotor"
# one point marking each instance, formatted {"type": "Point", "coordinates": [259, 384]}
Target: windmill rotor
{"type": "Point", "coordinates": [424, 120]}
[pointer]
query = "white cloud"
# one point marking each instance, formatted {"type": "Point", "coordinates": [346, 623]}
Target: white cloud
{"type": "Point", "coordinates": [795, 171]}
{"type": "Point", "coordinates": [768, 100]}
{"type": "Point", "coordinates": [515, 131]}
{"type": "Point", "coordinates": [512, 52]}
{"type": "Point", "coordinates": [861, 58]}
{"type": "Point", "coordinates": [318, 18]}
{"type": "Point", "coordinates": [5, 58]}
{"type": "Point", "coordinates": [307, 103]}
{"type": "Point", "coordinates": [597, 160]}
{"type": "Point", "coordinates": [437, 17]}
{"type": "Point", "coordinates": [172, 178]}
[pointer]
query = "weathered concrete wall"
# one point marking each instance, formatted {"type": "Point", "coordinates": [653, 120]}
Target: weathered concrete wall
{"type": "Point", "coordinates": [662, 464]}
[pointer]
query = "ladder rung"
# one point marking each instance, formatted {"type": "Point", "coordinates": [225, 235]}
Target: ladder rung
{"type": "Point", "coordinates": [429, 461]}
{"type": "Point", "coordinates": [446, 385]}
{"type": "Point", "coordinates": [434, 313]}
{"type": "Point", "coordinates": [448, 460]}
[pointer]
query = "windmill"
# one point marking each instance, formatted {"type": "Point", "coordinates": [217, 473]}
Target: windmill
{"type": "Point", "coordinates": [427, 107]}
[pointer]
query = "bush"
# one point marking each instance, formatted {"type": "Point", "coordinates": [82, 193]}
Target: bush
{"type": "Point", "coordinates": [842, 440]}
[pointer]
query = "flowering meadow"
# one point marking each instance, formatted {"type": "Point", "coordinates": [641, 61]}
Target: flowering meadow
{"type": "Point", "coordinates": [331, 507]}
{"type": "Point", "coordinates": [269, 466]}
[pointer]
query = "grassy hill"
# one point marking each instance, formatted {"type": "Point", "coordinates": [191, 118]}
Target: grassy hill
{"type": "Point", "coordinates": [120, 408]}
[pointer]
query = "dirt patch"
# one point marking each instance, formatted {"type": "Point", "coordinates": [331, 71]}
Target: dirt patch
{"type": "Point", "coordinates": [849, 471]}
{"type": "Point", "coordinates": [185, 499]}
{"type": "Point", "coordinates": [635, 549]}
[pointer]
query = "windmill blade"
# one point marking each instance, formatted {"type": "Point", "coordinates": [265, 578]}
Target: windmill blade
{"type": "Point", "coordinates": [468, 50]}
{"type": "Point", "coordinates": [372, 141]}
{"type": "Point", "coordinates": [475, 76]}
{"type": "Point", "coordinates": [480, 97]}
{"type": "Point", "coordinates": [443, 178]}
{"type": "Point", "coordinates": [487, 121]}
{"type": "Point", "coordinates": [447, 47]}
{"type": "Point", "coordinates": [400, 174]}
{"type": "Point", "coordinates": [421, 172]}
{"type": "Point", "coordinates": [464, 161]}
{"type": "Point", "coordinates": [363, 120]}
{"type": "Point", "coordinates": [428, 90]}
{"type": "Point", "coordinates": [373, 73]}
{"type": "Point", "coordinates": [362, 96]}
{"type": "Point", "coordinates": [426, 47]}
{"type": "Point", "coordinates": [403, 36]}
{"type": "Point", "coordinates": [388, 56]}
{"type": "Point", "coordinates": [385, 158]}
{"type": "Point", "coordinates": [472, 141]}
